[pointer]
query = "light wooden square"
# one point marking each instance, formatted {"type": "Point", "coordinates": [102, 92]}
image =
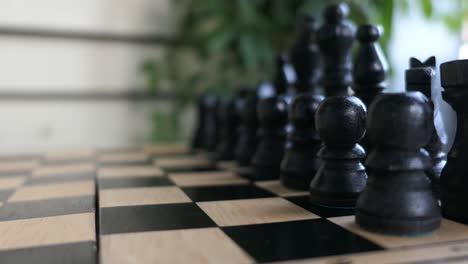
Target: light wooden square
{"type": "Point", "coordinates": [204, 246]}
{"type": "Point", "coordinates": [68, 155]}
{"type": "Point", "coordinates": [54, 170]}
{"type": "Point", "coordinates": [50, 191]}
{"type": "Point", "coordinates": [129, 171]}
{"type": "Point", "coordinates": [254, 211]}
{"type": "Point", "coordinates": [12, 182]}
{"type": "Point", "coordinates": [18, 165]}
{"type": "Point", "coordinates": [437, 253]}
{"type": "Point", "coordinates": [182, 162]}
{"type": "Point", "coordinates": [210, 178]}
{"type": "Point", "coordinates": [448, 231]}
{"type": "Point", "coordinates": [123, 157]}
{"type": "Point", "coordinates": [165, 149]}
{"type": "Point", "coordinates": [277, 188]}
{"type": "Point", "coordinates": [141, 196]}
{"type": "Point", "coordinates": [47, 231]}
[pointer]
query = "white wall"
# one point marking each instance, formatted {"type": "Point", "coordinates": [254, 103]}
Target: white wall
{"type": "Point", "coordinates": [32, 64]}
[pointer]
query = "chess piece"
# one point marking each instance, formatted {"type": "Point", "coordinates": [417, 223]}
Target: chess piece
{"type": "Point", "coordinates": [272, 116]}
{"type": "Point", "coordinates": [454, 176]}
{"type": "Point", "coordinates": [370, 67]}
{"type": "Point", "coordinates": [197, 139]}
{"type": "Point", "coordinates": [420, 77]}
{"type": "Point", "coordinates": [284, 76]}
{"type": "Point", "coordinates": [206, 132]}
{"type": "Point", "coordinates": [248, 131]}
{"type": "Point", "coordinates": [340, 122]}
{"type": "Point", "coordinates": [335, 39]}
{"type": "Point", "coordinates": [230, 121]}
{"type": "Point", "coordinates": [398, 197]}
{"type": "Point", "coordinates": [300, 162]}
{"type": "Point", "coordinates": [305, 57]}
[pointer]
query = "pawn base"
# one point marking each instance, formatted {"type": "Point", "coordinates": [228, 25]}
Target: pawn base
{"type": "Point", "coordinates": [389, 226]}
{"type": "Point", "coordinates": [264, 173]}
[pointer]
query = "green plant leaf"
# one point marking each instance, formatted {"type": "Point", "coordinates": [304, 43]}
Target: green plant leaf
{"type": "Point", "coordinates": [427, 8]}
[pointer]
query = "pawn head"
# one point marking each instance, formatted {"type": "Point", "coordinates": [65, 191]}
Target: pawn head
{"type": "Point", "coordinates": [272, 112]}
{"type": "Point", "coordinates": [368, 33]}
{"type": "Point", "coordinates": [303, 108]}
{"type": "Point", "coordinates": [341, 120]}
{"type": "Point", "coordinates": [336, 12]}
{"type": "Point", "coordinates": [400, 121]}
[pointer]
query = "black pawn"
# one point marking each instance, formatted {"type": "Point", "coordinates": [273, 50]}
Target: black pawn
{"type": "Point", "coordinates": [300, 162]}
{"type": "Point", "coordinates": [230, 121]}
{"type": "Point", "coordinates": [335, 40]}
{"type": "Point", "coordinates": [248, 131]}
{"type": "Point", "coordinates": [420, 77]}
{"type": "Point", "coordinates": [454, 177]}
{"type": "Point", "coordinates": [206, 131]}
{"type": "Point", "coordinates": [398, 197]}
{"type": "Point", "coordinates": [272, 116]}
{"type": "Point", "coordinates": [341, 123]}
{"type": "Point", "coordinates": [305, 58]}
{"type": "Point", "coordinates": [370, 66]}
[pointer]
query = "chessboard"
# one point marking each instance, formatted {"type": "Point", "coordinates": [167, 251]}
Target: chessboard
{"type": "Point", "coordinates": [161, 204]}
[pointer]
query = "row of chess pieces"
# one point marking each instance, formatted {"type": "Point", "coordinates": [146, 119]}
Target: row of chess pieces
{"type": "Point", "coordinates": [287, 130]}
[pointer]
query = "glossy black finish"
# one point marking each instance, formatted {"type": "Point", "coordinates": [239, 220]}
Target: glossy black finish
{"type": "Point", "coordinates": [71, 253]}
{"type": "Point", "coordinates": [370, 66]}
{"type": "Point", "coordinates": [341, 123]}
{"type": "Point", "coordinates": [221, 193]}
{"type": "Point", "coordinates": [46, 208]}
{"type": "Point", "coordinates": [272, 116]}
{"type": "Point", "coordinates": [230, 126]}
{"type": "Point", "coordinates": [335, 39]}
{"type": "Point", "coordinates": [132, 182]}
{"type": "Point", "coordinates": [296, 240]}
{"type": "Point", "coordinates": [124, 219]}
{"type": "Point", "coordinates": [284, 76]}
{"type": "Point", "coordinates": [454, 177]}
{"type": "Point", "coordinates": [300, 162]}
{"type": "Point", "coordinates": [206, 131]}
{"type": "Point", "coordinates": [322, 211]}
{"type": "Point", "coordinates": [420, 77]}
{"type": "Point", "coordinates": [398, 197]}
{"type": "Point", "coordinates": [304, 56]}
{"type": "Point", "coordinates": [247, 141]}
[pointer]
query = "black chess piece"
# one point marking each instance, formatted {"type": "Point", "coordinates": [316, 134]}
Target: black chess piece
{"type": "Point", "coordinates": [284, 78]}
{"type": "Point", "coordinates": [454, 176]}
{"type": "Point", "coordinates": [272, 117]}
{"type": "Point", "coordinates": [335, 40]}
{"type": "Point", "coordinates": [197, 139]}
{"type": "Point", "coordinates": [420, 77]}
{"type": "Point", "coordinates": [370, 66]}
{"type": "Point", "coordinates": [305, 58]}
{"type": "Point", "coordinates": [248, 140]}
{"type": "Point", "coordinates": [207, 125]}
{"type": "Point", "coordinates": [300, 162]}
{"type": "Point", "coordinates": [230, 122]}
{"type": "Point", "coordinates": [398, 197]}
{"type": "Point", "coordinates": [340, 122]}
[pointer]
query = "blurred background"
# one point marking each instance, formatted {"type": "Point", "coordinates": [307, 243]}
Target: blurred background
{"type": "Point", "coordinates": [109, 73]}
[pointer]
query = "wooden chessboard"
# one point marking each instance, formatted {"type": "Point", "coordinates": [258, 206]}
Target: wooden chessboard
{"type": "Point", "coordinates": [160, 205]}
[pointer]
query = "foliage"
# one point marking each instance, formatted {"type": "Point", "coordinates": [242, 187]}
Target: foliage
{"type": "Point", "coordinates": [224, 44]}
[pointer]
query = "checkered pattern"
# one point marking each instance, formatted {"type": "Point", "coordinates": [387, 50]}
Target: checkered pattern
{"type": "Point", "coordinates": [190, 212]}
{"type": "Point", "coordinates": [133, 205]}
